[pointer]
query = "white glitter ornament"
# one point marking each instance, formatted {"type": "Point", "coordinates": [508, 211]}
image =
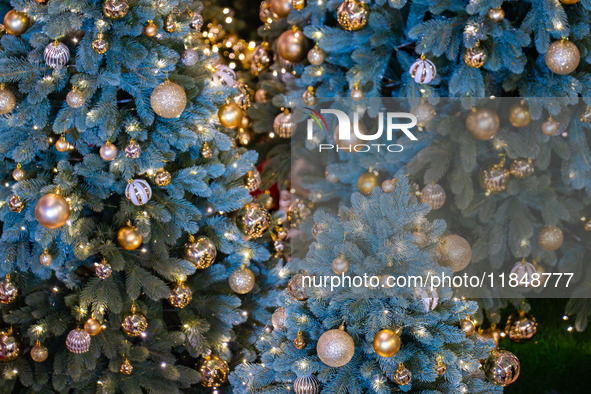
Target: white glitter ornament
{"type": "Point", "coordinates": [138, 191]}
{"type": "Point", "coordinates": [78, 341]}
{"type": "Point", "coordinates": [423, 70]}
{"type": "Point", "coordinates": [335, 347]}
{"type": "Point", "coordinates": [168, 99]}
{"type": "Point", "coordinates": [242, 280]}
{"type": "Point", "coordinates": [56, 54]}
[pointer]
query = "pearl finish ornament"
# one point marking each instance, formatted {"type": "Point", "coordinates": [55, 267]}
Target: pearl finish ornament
{"type": "Point", "coordinates": [563, 57]}
{"type": "Point", "coordinates": [138, 191]}
{"type": "Point", "coordinates": [386, 343]}
{"type": "Point", "coordinates": [75, 98]}
{"type": "Point", "coordinates": [129, 238]}
{"type": "Point", "coordinates": [16, 204]}
{"type": "Point", "coordinates": [366, 182]}
{"type": "Point", "coordinates": [16, 22]}
{"type": "Point", "coordinates": [483, 123]}
{"type": "Point", "coordinates": [214, 371]}
{"type": "Point", "coordinates": [190, 57]}
{"type": "Point", "coordinates": [455, 252]}
{"type": "Point", "coordinates": [335, 348]}
{"type": "Point", "coordinates": [242, 280]}
{"type": "Point", "coordinates": [280, 8]}
{"type": "Point", "coordinates": [253, 220]}
{"type": "Point", "coordinates": [501, 368]}
{"type": "Point", "coordinates": [135, 323]}
{"type": "Point", "coordinates": [62, 144]}
{"type": "Point", "coordinates": [475, 57]}
{"type": "Point", "coordinates": [522, 168]}
{"type": "Point", "coordinates": [8, 291]}
{"type": "Point", "coordinates": [262, 57]}
{"type": "Point", "coordinates": [108, 151]}
{"type": "Point", "coordinates": [150, 29]}
{"type": "Point", "coordinates": [92, 326]}
{"type": "Point", "coordinates": [307, 384]}
{"type": "Point", "coordinates": [39, 353]}
{"type": "Point", "coordinates": [496, 14]}
{"type": "Point", "coordinates": [423, 70]}
{"type": "Point", "coordinates": [200, 251]}
{"type": "Point", "coordinates": [550, 127]}
{"type": "Point", "coordinates": [550, 238]}
{"type": "Point", "coordinates": [115, 9]}
{"type": "Point", "coordinates": [292, 45]}
{"type": "Point", "coordinates": [283, 124]}
{"type": "Point", "coordinates": [133, 150]}
{"type": "Point", "coordinates": [340, 265]}
{"type": "Point", "coordinates": [168, 100]}
{"type": "Point", "coordinates": [7, 100]}
{"type": "Point", "coordinates": [78, 341]}
{"type": "Point", "coordinates": [296, 288]}
{"type": "Point", "coordinates": [521, 327]}
{"type": "Point", "coordinates": [230, 115]}
{"type": "Point", "coordinates": [103, 269]}
{"type": "Point", "coordinates": [279, 318]}
{"type": "Point", "coordinates": [180, 295]}
{"type": "Point", "coordinates": [162, 178]}
{"type": "Point", "coordinates": [45, 259]}
{"type": "Point", "coordinates": [56, 54]}
{"type": "Point", "coordinates": [52, 211]}
{"type": "Point", "coordinates": [316, 56]}
{"type": "Point", "coordinates": [100, 45]}
{"type": "Point", "coordinates": [9, 346]}
{"type": "Point", "coordinates": [434, 195]}
{"type": "Point", "coordinates": [402, 376]}
{"type": "Point", "coordinates": [353, 15]}
{"type": "Point", "coordinates": [519, 115]}
{"type": "Point", "coordinates": [468, 327]}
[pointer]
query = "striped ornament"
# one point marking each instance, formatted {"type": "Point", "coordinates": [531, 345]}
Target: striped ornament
{"type": "Point", "coordinates": [56, 54]}
{"type": "Point", "coordinates": [308, 384]}
{"type": "Point", "coordinates": [138, 192]}
{"type": "Point", "coordinates": [423, 70]}
{"type": "Point", "coordinates": [429, 297]}
{"type": "Point", "coordinates": [524, 271]}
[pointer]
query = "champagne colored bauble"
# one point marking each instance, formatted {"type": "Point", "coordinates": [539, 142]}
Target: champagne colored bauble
{"type": "Point", "coordinates": [138, 191]}
{"type": "Point", "coordinates": [126, 367]}
{"type": "Point", "coordinates": [200, 251]}
{"type": "Point", "coordinates": [115, 9]}
{"type": "Point", "coordinates": [280, 8]}
{"type": "Point", "coordinates": [519, 115]}
{"type": "Point", "coordinates": [353, 15]}
{"type": "Point", "coordinates": [307, 384]}
{"type": "Point", "coordinates": [190, 57]}
{"type": "Point", "coordinates": [522, 168]}
{"type": "Point", "coordinates": [180, 295]}
{"type": "Point", "coordinates": [283, 124]}
{"type": "Point", "coordinates": [550, 238]}
{"type": "Point", "coordinates": [56, 54]}
{"type": "Point", "coordinates": [52, 211]}
{"type": "Point", "coordinates": [296, 288]}
{"type": "Point", "coordinates": [494, 178]}
{"type": "Point", "coordinates": [162, 178]}
{"type": "Point", "coordinates": [316, 56]}
{"type": "Point", "coordinates": [496, 14]}
{"type": "Point", "coordinates": [386, 343]}
{"type": "Point", "coordinates": [134, 324]}
{"type": "Point", "coordinates": [253, 220]}
{"type": "Point", "coordinates": [214, 371]}
{"type": "Point", "coordinates": [16, 204]}
{"type": "Point", "coordinates": [550, 127]}
{"type": "Point", "coordinates": [423, 70]}
{"type": "Point", "coordinates": [168, 100]}
{"type": "Point", "coordinates": [9, 346]}
{"type": "Point", "coordinates": [103, 269]}
{"type": "Point", "coordinates": [420, 239]}
{"type": "Point", "coordinates": [261, 60]}
{"type": "Point", "coordinates": [46, 258]}
{"type": "Point", "coordinates": [62, 144]}
{"type": "Point", "coordinates": [18, 174]}
{"type": "Point", "coordinates": [475, 57]}
{"type": "Point", "coordinates": [7, 100]}
{"type": "Point", "coordinates": [402, 376]}
{"type": "Point", "coordinates": [501, 368]}
{"type": "Point", "coordinates": [424, 112]}
{"type": "Point", "coordinates": [150, 29]}
{"type": "Point", "coordinates": [521, 327]}
{"type": "Point", "coordinates": [129, 238]}
{"type": "Point", "coordinates": [78, 341]}
{"type": "Point", "coordinates": [340, 265]}
{"type": "Point", "coordinates": [279, 318]}
{"type": "Point", "coordinates": [100, 45]}
{"type": "Point", "coordinates": [8, 291]}
{"type": "Point", "coordinates": [16, 22]}
{"type": "Point", "coordinates": [230, 115]}
{"type": "Point", "coordinates": [108, 151]}
{"type": "Point", "coordinates": [292, 45]}
{"type": "Point", "coordinates": [366, 182]}
{"type": "Point", "coordinates": [562, 57]}
{"type": "Point", "coordinates": [434, 195]}
{"type": "Point", "coordinates": [242, 280]}
{"type": "Point", "coordinates": [133, 150]}
{"type": "Point", "coordinates": [455, 252]}
{"type": "Point", "coordinates": [92, 326]}
{"type": "Point", "coordinates": [467, 326]}
{"type": "Point", "coordinates": [39, 353]}
{"type": "Point", "coordinates": [299, 342]}
{"type": "Point", "coordinates": [75, 98]}
{"type": "Point", "coordinates": [483, 123]}
{"type": "Point", "coordinates": [389, 185]}
{"type": "Point", "coordinates": [335, 348]}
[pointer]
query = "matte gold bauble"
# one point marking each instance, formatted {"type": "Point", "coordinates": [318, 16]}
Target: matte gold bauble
{"type": "Point", "coordinates": [126, 367]}
{"type": "Point", "coordinates": [550, 127]}
{"type": "Point", "coordinates": [150, 29]}
{"type": "Point", "coordinates": [75, 98]}
{"type": "Point", "coordinates": [52, 211]}
{"type": "Point", "coordinates": [168, 99]}
{"type": "Point", "coordinates": [519, 115]}
{"type": "Point", "coordinates": [386, 343]}
{"type": "Point", "coordinates": [230, 115]}
{"type": "Point", "coordinates": [115, 9]}
{"type": "Point", "coordinates": [18, 174]}
{"type": "Point", "coordinates": [39, 353]}
{"type": "Point", "coordinates": [335, 348]}
{"type": "Point", "coordinates": [467, 326]}
{"type": "Point", "coordinates": [280, 8]}
{"type": "Point", "coordinates": [242, 280]}
{"type": "Point", "coordinates": [108, 151]}
{"type": "Point", "coordinates": [483, 123]}
{"type": "Point", "coordinates": [496, 14]}
{"type": "Point", "coordinates": [62, 144]}
{"type": "Point", "coordinates": [16, 22]}
{"type": "Point", "coordinates": [501, 368]}
{"type": "Point", "coordinates": [9, 346]}
{"type": "Point", "coordinates": [129, 238]}
{"type": "Point", "coordinates": [366, 182]}
{"type": "Point", "coordinates": [550, 238]}
{"type": "Point", "coordinates": [475, 57]}
{"type": "Point", "coordinates": [353, 15]}
{"type": "Point", "coordinates": [521, 327]}
{"type": "Point", "coordinates": [92, 326]}
{"type": "Point", "coordinates": [7, 100]}
{"type": "Point", "coordinates": [214, 371]}
{"type": "Point", "coordinates": [340, 265]}
{"type": "Point", "coordinates": [292, 45]}
{"type": "Point", "coordinates": [562, 57]}
{"type": "Point", "coordinates": [455, 252]}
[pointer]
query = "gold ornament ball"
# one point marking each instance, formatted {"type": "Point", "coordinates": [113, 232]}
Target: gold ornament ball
{"type": "Point", "coordinates": [108, 151]}
{"type": "Point", "coordinates": [18, 174]}
{"type": "Point", "coordinates": [168, 100]}
{"type": "Point", "coordinates": [402, 376]}
{"type": "Point", "coordinates": [201, 252]}
{"type": "Point", "coordinates": [550, 127]}
{"type": "Point", "coordinates": [569, 1]}
{"type": "Point", "coordinates": [389, 185]}
{"type": "Point", "coordinates": [134, 324]}
{"type": "Point", "coordinates": [433, 195]}
{"type": "Point", "coordinates": [519, 115]}
{"type": "Point", "coordinates": [16, 22]}
{"type": "Point", "coordinates": [75, 98]}
{"type": "Point", "coordinates": [129, 238]}
{"type": "Point", "coordinates": [316, 56]}
{"type": "Point", "coordinates": [92, 326]}
{"type": "Point", "coordinates": [180, 296]}
{"type": "Point", "coordinates": [340, 265]}
{"type": "Point", "coordinates": [100, 45]}
{"type": "Point", "coordinates": [562, 57]}
{"type": "Point", "coordinates": [126, 367]}
{"type": "Point", "coordinates": [230, 115]}
{"type": "Point", "coordinates": [501, 368]}
{"type": "Point", "coordinates": [7, 100]}
{"type": "Point", "coordinates": [521, 327]}
{"type": "Point", "coordinates": [8, 291]}
{"type": "Point", "coordinates": [483, 123]}
{"type": "Point", "coordinates": [494, 178]}
{"type": "Point", "coordinates": [150, 29]}
{"type": "Point", "coordinates": [214, 371]}
{"type": "Point", "coordinates": [475, 57]}
{"type": "Point", "coordinates": [496, 14]}
{"type": "Point", "coordinates": [386, 343]}
{"type": "Point", "coordinates": [39, 353]}
{"type": "Point", "coordinates": [280, 8]}
{"type": "Point", "coordinates": [253, 220]}
{"type": "Point", "coordinates": [9, 346]}
{"type": "Point", "coordinates": [16, 204]}
{"type": "Point", "coordinates": [467, 326]}
{"type": "Point", "coordinates": [366, 182]}
{"type": "Point", "coordinates": [115, 9]}
{"type": "Point", "coordinates": [162, 178]}
{"type": "Point", "coordinates": [62, 144]}
{"type": "Point", "coordinates": [52, 211]}
{"type": "Point", "coordinates": [353, 15]}
{"type": "Point", "coordinates": [308, 384]}
{"type": "Point", "coordinates": [550, 238]}
{"type": "Point", "coordinates": [455, 252]}
{"type": "Point", "coordinates": [335, 348]}
{"type": "Point", "coordinates": [292, 45]}
{"type": "Point", "coordinates": [242, 280]}
{"type": "Point", "coordinates": [46, 259]}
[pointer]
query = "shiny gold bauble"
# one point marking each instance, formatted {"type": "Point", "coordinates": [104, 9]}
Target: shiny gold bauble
{"type": "Point", "coordinates": [200, 251]}
{"type": "Point", "coordinates": [483, 123]}
{"type": "Point", "coordinates": [46, 258]}
{"type": "Point", "coordinates": [386, 343]}
{"type": "Point", "coordinates": [253, 220]}
{"type": "Point", "coordinates": [9, 346]}
{"type": "Point", "coordinates": [434, 195]}
{"type": "Point", "coordinates": [522, 168]}
{"type": "Point", "coordinates": [366, 182]}
{"type": "Point", "coordinates": [16, 22]}
{"type": "Point", "coordinates": [150, 29]}
{"type": "Point", "coordinates": [126, 367]}
{"type": "Point", "coordinates": [115, 9]}
{"type": "Point", "coordinates": [214, 371]}
{"type": "Point", "coordinates": [467, 326]}
{"type": "Point", "coordinates": [402, 376]}
{"type": "Point", "coordinates": [299, 342]}
{"type": "Point", "coordinates": [134, 324]}
{"type": "Point", "coordinates": [550, 127]}
{"type": "Point", "coordinates": [424, 112]}
{"type": "Point", "coordinates": [519, 115]}
{"type": "Point", "coordinates": [521, 327]}
{"type": "Point", "coordinates": [242, 280]}
{"type": "Point", "coordinates": [494, 178]}
{"type": "Point", "coordinates": [39, 353]}
{"type": "Point", "coordinates": [316, 56]}
{"type": "Point", "coordinates": [550, 238]}
{"type": "Point", "coordinates": [129, 238]}
{"type": "Point", "coordinates": [496, 14]}
{"type": "Point", "coordinates": [292, 45]}
{"type": "Point", "coordinates": [75, 98]}
{"type": "Point", "coordinates": [230, 115]}
{"type": "Point", "coordinates": [455, 252]}
{"type": "Point", "coordinates": [562, 57]}
{"type": "Point", "coordinates": [100, 45]}
{"type": "Point", "coordinates": [108, 151]}
{"type": "Point", "coordinates": [280, 8]}
{"type": "Point", "coordinates": [353, 15]}
{"type": "Point", "coordinates": [180, 295]}
{"type": "Point", "coordinates": [501, 368]}
{"type": "Point", "coordinates": [475, 57]}
{"type": "Point", "coordinates": [62, 144]}
{"type": "Point", "coordinates": [8, 291]}
{"type": "Point", "coordinates": [569, 1]}
{"type": "Point", "coordinates": [335, 348]}
{"type": "Point", "coordinates": [162, 178]}
{"type": "Point", "coordinates": [92, 326]}
{"type": "Point", "coordinates": [7, 100]}
{"type": "Point", "coordinates": [19, 174]}
{"type": "Point", "coordinates": [168, 99]}
{"type": "Point", "coordinates": [340, 265]}
{"type": "Point", "coordinates": [52, 211]}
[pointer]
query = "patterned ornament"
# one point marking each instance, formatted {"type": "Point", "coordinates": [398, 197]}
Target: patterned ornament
{"type": "Point", "coordinates": [180, 295]}
{"type": "Point", "coordinates": [169, 24]}
{"type": "Point", "coordinates": [253, 220]}
{"type": "Point", "coordinates": [519, 114]}
{"type": "Point", "coordinates": [138, 191]}
{"type": "Point", "coordinates": [16, 204]}
{"type": "Point", "coordinates": [224, 76]}
{"type": "Point", "coordinates": [92, 326]}
{"type": "Point", "coordinates": [100, 45]}
{"type": "Point", "coordinates": [56, 54]}
{"type": "Point", "coordinates": [521, 327]}
{"type": "Point", "coordinates": [494, 178]}
{"type": "Point", "coordinates": [115, 9]}
{"type": "Point", "coordinates": [242, 280]}
{"type": "Point", "coordinates": [467, 325]}
{"type": "Point", "coordinates": [483, 123]}
{"type": "Point", "coordinates": [39, 353]}
{"type": "Point", "coordinates": [283, 124]}
{"type": "Point", "coordinates": [253, 180]}
{"type": "Point", "coordinates": [501, 368]}
{"type": "Point", "coordinates": [292, 45]}
{"type": "Point", "coordinates": [279, 318]}
{"type": "Point", "coordinates": [353, 15]}
{"type": "Point", "coordinates": [424, 112]}
{"type": "Point", "coordinates": [522, 168]}
{"type": "Point", "coordinates": [455, 252]}
{"type": "Point", "coordinates": [45, 259]}
{"type": "Point", "coordinates": [135, 323]}
{"type": "Point", "coordinates": [262, 57]}
{"type": "Point", "coordinates": [550, 238]}
{"type": "Point", "coordinates": [52, 211]}
{"type": "Point", "coordinates": [214, 371]}
{"type": "Point", "coordinates": [386, 343]}
{"type": "Point", "coordinates": [16, 22]}
{"type": "Point", "coordinates": [7, 100]}
{"type": "Point", "coordinates": [108, 151]}
{"type": "Point", "coordinates": [8, 291]}
{"type": "Point", "coordinates": [9, 346]}
{"type": "Point", "coordinates": [335, 347]}
{"type": "Point", "coordinates": [309, 97]}
{"type": "Point", "coordinates": [75, 98]}
{"type": "Point", "coordinates": [307, 384]}
{"type": "Point", "coordinates": [129, 238]}
{"type": "Point", "coordinates": [402, 376]}
{"type": "Point", "coordinates": [475, 57]}
{"type": "Point", "coordinates": [316, 56]}
{"type": "Point", "coordinates": [133, 150]}
{"type": "Point", "coordinates": [78, 341]}
{"type": "Point", "coordinates": [296, 288]}
{"type": "Point", "coordinates": [126, 367]}
{"type": "Point", "coordinates": [190, 57]}
{"type": "Point", "coordinates": [496, 14]}
{"type": "Point", "coordinates": [62, 144]}
{"type": "Point", "coordinates": [168, 99]}
{"type": "Point", "coordinates": [200, 251]}
{"type": "Point", "coordinates": [230, 115]}
{"type": "Point", "coordinates": [563, 57]}
{"type": "Point", "coordinates": [299, 342]}
{"type": "Point", "coordinates": [434, 195]}
{"type": "Point", "coordinates": [429, 298]}
{"type": "Point", "coordinates": [103, 269]}
{"type": "Point", "coordinates": [340, 265]}
{"type": "Point", "coordinates": [150, 29]}
{"type": "Point", "coordinates": [524, 271]}
{"type": "Point", "coordinates": [367, 182]}
{"type": "Point", "coordinates": [550, 127]}
{"type": "Point", "coordinates": [205, 151]}
{"type": "Point", "coordinates": [423, 70]}
{"type": "Point", "coordinates": [162, 178]}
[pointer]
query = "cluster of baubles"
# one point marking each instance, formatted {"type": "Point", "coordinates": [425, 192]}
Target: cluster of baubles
{"type": "Point", "coordinates": [494, 177]}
